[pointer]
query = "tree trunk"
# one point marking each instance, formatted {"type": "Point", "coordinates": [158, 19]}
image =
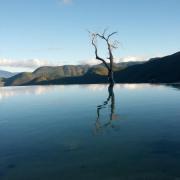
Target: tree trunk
{"type": "Point", "coordinates": [111, 77]}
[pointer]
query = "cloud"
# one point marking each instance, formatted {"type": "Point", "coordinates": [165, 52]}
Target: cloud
{"type": "Point", "coordinates": [131, 58]}
{"type": "Point", "coordinates": [30, 63]}
{"type": "Point", "coordinates": [34, 63]}
{"type": "Point", "coordinates": [94, 61]}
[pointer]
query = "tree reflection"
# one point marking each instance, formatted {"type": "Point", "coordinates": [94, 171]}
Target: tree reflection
{"type": "Point", "coordinates": [99, 126]}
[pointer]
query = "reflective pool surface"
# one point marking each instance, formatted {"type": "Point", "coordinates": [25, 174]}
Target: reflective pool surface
{"type": "Point", "coordinates": [82, 132]}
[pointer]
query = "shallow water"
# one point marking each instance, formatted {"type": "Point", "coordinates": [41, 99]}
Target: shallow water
{"type": "Point", "coordinates": [76, 132]}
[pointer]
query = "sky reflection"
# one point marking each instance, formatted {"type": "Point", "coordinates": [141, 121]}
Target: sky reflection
{"type": "Point", "coordinates": [6, 92]}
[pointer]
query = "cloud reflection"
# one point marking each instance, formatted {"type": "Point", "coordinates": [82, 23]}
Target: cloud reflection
{"type": "Point", "coordinates": [6, 92]}
{"type": "Point", "coordinates": [101, 87]}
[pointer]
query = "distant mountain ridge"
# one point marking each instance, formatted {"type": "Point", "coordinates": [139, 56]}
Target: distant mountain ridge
{"type": "Point", "coordinates": [156, 70]}
{"type": "Point", "coordinates": [50, 74]}
{"type": "Point", "coordinates": [6, 74]}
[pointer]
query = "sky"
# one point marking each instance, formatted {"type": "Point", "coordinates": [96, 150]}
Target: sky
{"type": "Point", "coordinates": [35, 33]}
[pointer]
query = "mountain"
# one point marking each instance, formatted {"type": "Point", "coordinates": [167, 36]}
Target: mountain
{"type": "Point", "coordinates": [1, 82]}
{"type": "Point", "coordinates": [64, 74]}
{"type": "Point", "coordinates": [47, 73]}
{"type": "Point", "coordinates": [6, 74]}
{"type": "Point", "coordinates": [156, 70]}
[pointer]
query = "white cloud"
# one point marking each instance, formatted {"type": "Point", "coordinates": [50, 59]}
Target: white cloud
{"type": "Point", "coordinates": [30, 63]}
{"type": "Point", "coordinates": [34, 63]}
{"type": "Point", "coordinates": [94, 61]}
{"type": "Point", "coordinates": [131, 58]}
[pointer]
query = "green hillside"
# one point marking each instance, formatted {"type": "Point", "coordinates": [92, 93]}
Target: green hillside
{"type": "Point", "coordinates": [156, 70]}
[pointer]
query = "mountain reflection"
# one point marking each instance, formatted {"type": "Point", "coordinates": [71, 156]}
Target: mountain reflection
{"type": "Point", "coordinates": [175, 85]}
{"type": "Point", "coordinates": [109, 102]}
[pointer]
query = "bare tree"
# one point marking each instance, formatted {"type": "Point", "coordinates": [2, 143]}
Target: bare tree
{"type": "Point", "coordinates": [111, 45]}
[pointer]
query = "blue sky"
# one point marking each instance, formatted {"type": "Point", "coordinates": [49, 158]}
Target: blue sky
{"type": "Point", "coordinates": [42, 32]}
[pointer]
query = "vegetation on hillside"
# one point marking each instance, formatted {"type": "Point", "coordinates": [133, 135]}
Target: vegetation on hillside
{"type": "Point", "coordinates": [157, 70]}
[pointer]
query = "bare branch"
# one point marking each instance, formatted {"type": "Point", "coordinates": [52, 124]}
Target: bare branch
{"type": "Point", "coordinates": [105, 30]}
{"type": "Point", "coordinates": [101, 36]}
{"type": "Point", "coordinates": [94, 36]}
{"type": "Point", "coordinates": [114, 44]}
{"type": "Point", "coordinates": [111, 35]}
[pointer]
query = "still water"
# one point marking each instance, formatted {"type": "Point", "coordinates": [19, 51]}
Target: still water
{"type": "Point", "coordinates": [80, 132]}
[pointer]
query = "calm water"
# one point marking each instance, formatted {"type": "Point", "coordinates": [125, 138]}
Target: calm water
{"type": "Point", "coordinates": [76, 132]}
